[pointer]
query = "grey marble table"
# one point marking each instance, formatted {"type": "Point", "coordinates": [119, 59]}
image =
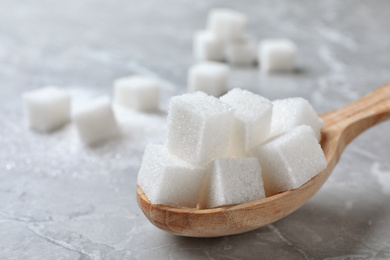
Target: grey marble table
{"type": "Point", "coordinates": [62, 200]}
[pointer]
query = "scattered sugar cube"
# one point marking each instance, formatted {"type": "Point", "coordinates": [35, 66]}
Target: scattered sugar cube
{"type": "Point", "coordinates": [290, 160]}
{"type": "Point", "coordinates": [199, 127]}
{"type": "Point", "coordinates": [96, 121]}
{"type": "Point", "coordinates": [252, 122]}
{"type": "Point", "coordinates": [47, 108]}
{"type": "Point", "coordinates": [291, 112]}
{"type": "Point", "coordinates": [232, 181]}
{"type": "Point", "coordinates": [241, 52]}
{"type": "Point", "coordinates": [226, 24]}
{"type": "Point", "coordinates": [209, 77]}
{"type": "Point", "coordinates": [137, 92]}
{"type": "Point", "coordinates": [207, 46]}
{"type": "Point", "coordinates": [277, 55]}
{"type": "Point", "coordinates": [168, 180]}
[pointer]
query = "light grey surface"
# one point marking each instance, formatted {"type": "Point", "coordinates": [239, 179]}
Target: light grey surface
{"type": "Point", "coordinates": [61, 200]}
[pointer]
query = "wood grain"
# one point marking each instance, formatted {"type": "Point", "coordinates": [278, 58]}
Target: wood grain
{"type": "Point", "coordinates": [341, 126]}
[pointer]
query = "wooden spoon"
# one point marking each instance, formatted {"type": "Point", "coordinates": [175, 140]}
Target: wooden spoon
{"type": "Point", "coordinates": [340, 128]}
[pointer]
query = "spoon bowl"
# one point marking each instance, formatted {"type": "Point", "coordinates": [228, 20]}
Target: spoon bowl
{"type": "Point", "coordinates": [341, 126]}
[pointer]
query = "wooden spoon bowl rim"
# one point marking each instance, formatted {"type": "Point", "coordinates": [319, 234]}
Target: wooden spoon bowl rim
{"type": "Point", "coordinates": [234, 207]}
{"type": "Point", "coordinates": [255, 203]}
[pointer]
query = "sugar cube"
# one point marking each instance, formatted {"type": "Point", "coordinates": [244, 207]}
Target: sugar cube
{"type": "Point", "coordinates": [137, 92]}
{"type": "Point", "coordinates": [207, 46]}
{"type": "Point", "coordinates": [241, 52]}
{"type": "Point", "coordinates": [277, 55]}
{"type": "Point", "coordinates": [290, 160]}
{"type": "Point", "coordinates": [226, 24]}
{"type": "Point", "coordinates": [209, 77]}
{"type": "Point", "coordinates": [47, 108]}
{"type": "Point", "coordinates": [168, 180]}
{"type": "Point", "coordinates": [252, 120]}
{"type": "Point", "coordinates": [232, 181]}
{"type": "Point", "coordinates": [199, 127]}
{"type": "Point", "coordinates": [291, 112]}
{"type": "Point", "coordinates": [96, 121]}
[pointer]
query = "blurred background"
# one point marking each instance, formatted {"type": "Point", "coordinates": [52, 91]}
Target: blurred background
{"type": "Point", "coordinates": [62, 200]}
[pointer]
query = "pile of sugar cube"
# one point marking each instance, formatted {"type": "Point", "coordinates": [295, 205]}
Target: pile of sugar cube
{"type": "Point", "coordinates": [225, 40]}
{"type": "Point", "coordinates": [233, 149]}
{"type": "Point", "coordinates": [49, 108]}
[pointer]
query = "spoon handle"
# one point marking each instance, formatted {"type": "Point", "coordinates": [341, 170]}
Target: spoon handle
{"type": "Point", "coordinates": [348, 122]}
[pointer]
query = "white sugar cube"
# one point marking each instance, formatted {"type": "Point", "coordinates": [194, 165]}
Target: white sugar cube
{"type": "Point", "coordinates": [291, 112]}
{"type": "Point", "coordinates": [209, 77]}
{"type": "Point", "coordinates": [241, 52]}
{"type": "Point", "coordinates": [277, 55]}
{"type": "Point", "coordinates": [137, 92]}
{"type": "Point", "coordinates": [252, 122]}
{"type": "Point", "coordinates": [168, 180]}
{"type": "Point", "coordinates": [226, 24]}
{"type": "Point", "coordinates": [232, 181]}
{"type": "Point", "coordinates": [207, 46]}
{"type": "Point", "coordinates": [199, 127]}
{"type": "Point", "coordinates": [290, 160]}
{"type": "Point", "coordinates": [47, 108]}
{"type": "Point", "coordinates": [96, 121]}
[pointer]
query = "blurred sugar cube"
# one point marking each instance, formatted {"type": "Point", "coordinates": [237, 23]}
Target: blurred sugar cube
{"type": "Point", "coordinates": [207, 46]}
{"type": "Point", "coordinates": [96, 121]}
{"type": "Point", "coordinates": [209, 77]}
{"type": "Point", "coordinates": [232, 181]}
{"type": "Point", "coordinates": [199, 127]}
{"type": "Point", "coordinates": [291, 112]}
{"type": "Point", "coordinates": [47, 108]}
{"type": "Point", "coordinates": [277, 55]}
{"type": "Point", "coordinates": [252, 122]}
{"type": "Point", "coordinates": [290, 160]}
{"type": "Point", "coordinates": [226, 24]}
{"type": "Point", "coordinates": [241, 52]}
{"type": "Point", "coordinates": [137, 92]}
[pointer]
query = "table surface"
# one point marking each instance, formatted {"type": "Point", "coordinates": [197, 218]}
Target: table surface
{"type": "Point", "coordinates": [62, 200]}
